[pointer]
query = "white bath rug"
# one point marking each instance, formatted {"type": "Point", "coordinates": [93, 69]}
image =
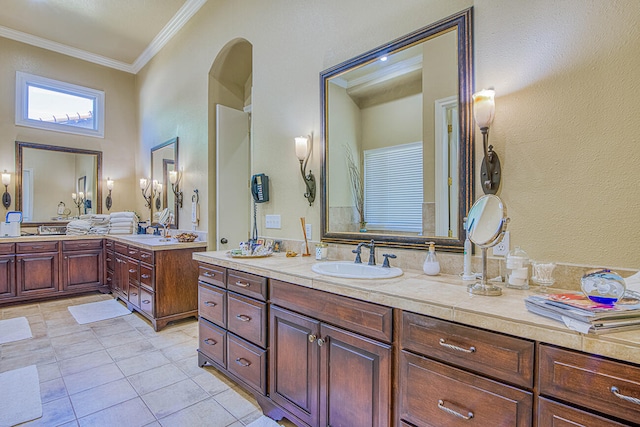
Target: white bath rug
{"type": "Point", "coordinates": [96, 311]}
{"type": "Point", "coordinates": [14, 330]}
{"type": "Point", "coordinates": [20, 396]}
{"type": "Point", "coordinates": [264, 421]}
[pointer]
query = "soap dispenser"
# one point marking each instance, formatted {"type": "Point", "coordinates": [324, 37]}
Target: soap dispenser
{"type": "Point", "coordinates": [431, 265]}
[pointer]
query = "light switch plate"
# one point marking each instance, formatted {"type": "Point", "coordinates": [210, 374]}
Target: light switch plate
{"type": "Point", "coordinates": [308, 231]}
{"type": "Point", "coordinates": [272, 221]}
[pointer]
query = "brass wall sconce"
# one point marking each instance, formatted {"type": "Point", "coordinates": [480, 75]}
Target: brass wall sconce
{"type": "Point", "coordinates": [304, 144]}
{"type": "Point", "coordinates": [484, 108]}
{"type": "Point", "coordinates": [174, 178]}
{"type": "Point", "coordinates": [145, 184]}
{"type": "Point", "coordinates": [108, 200]}
{"type": "Point", "coordinates": [6, 197]}
{"type": "Point", "coordinates": [78, 200]}
{"type": "Point", "coordinates": [157, 192]}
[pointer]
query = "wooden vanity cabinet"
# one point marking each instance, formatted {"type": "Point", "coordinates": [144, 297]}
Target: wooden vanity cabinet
{"type": "Point", "coordinates": [452, 374]}
{"type": "Point", "coordinates": [37, 269]}
{"type": "Point", "coordinates": [596, 387]}
{"type": "Point", "coordinates": [7, 271]}
{"type": "Point", "coordinates": [82, 265]}
{"type": "Point", "coordinates": [321, 372]}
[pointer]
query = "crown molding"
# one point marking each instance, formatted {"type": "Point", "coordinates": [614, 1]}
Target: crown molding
{"type": "Point", "coordinates": [188, 9]}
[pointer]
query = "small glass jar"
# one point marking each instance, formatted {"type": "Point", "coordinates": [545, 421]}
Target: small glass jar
{"type": "Point", "coordinates": [517, 266]}
{"type": "Point", "coordinates": [322, 250]}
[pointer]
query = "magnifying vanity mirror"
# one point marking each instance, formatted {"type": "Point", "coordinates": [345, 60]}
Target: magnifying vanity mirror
{"type": "Point", "coordinates": [486, 224]}
{"type": "Point", "coordinates": [397, 130]}
{"type": "Point", "coordinates": [47, 177]}
{"type": "Point", "coordinates": [164, 159]}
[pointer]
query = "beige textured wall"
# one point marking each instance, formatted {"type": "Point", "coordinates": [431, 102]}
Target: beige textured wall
{"type": "Point", "coordinates": [118, 145]}
{"type": "Point", "coordinates": [566, 121]}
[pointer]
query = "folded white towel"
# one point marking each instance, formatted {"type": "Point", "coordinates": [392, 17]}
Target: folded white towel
{"type": "Point", "coordinates": [121, 220]}
{"type": "Point", "coordinates": [123, 215]}
{"type": "Point", "coordinates": [120, 231]}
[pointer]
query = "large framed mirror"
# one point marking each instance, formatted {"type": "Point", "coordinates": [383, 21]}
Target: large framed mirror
{"type": "Point", "coordinates": [48, 178]}
{"type": "Point", "coordinates": [397, 154]}
{"type": "Point", "coordinates": [164, 159]}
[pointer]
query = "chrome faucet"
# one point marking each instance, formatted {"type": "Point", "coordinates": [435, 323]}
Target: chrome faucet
{"type": "Point", "coordinates": [357, 251]}
{"type": "Point", "coordinates": [372, 253]}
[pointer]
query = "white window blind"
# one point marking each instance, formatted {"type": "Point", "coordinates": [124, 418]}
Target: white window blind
{"type": "Point", "coordinates": [393, 188]}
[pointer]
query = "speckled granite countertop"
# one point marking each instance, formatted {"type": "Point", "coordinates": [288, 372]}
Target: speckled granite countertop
{"type": "Point", "coordinates": [442, 296]}
{"type": "Point", "coordinates": [146, 241]}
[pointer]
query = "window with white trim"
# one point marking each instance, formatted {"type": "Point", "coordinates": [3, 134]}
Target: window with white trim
{"type": "Point", "coordinates": [393, 188]}
{"type": "Point", "coordinates": [58, 106]}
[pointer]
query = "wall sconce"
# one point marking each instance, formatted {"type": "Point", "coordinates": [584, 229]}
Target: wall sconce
{"type": "Point", "coordinates": [78, 200]}
{"type": "Point", "coordinates": [109, 201]}
{"type": "Point", "coordinates": [174, 178]}
{"type": "Point", "coordinates": [157, 192]}
{"type": "Point", "coordinates": [484, 109]}
{"type": "Point", "coordinates": [144, 188]}
{"type": "Point", "coordinates": [303, 151]}
{"type": "Point", "coordinates": [6, 197]}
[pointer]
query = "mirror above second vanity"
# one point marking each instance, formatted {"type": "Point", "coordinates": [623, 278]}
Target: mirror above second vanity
{"type": "Point", "coordinates": [47, 178]}
{"type": "Point", "coordinates": [164, 159]}
{"type": "Point", "coordinates": [397, 158]}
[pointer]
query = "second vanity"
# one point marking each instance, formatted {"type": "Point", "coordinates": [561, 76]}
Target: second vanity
{"type": "Point", "coordinates": [408, 351]}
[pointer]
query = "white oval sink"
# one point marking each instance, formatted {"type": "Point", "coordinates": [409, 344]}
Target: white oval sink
{"type": "Point", "coordinates": [351, 270]}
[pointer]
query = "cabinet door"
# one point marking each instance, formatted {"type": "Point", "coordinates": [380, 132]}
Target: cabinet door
{"type": "Point", "coordinates": [555, 414]}
{"type": "Point", "coordinates": [7, 276]}
{"type": "Point", "coordinates": [37, 274]}
{"type": "Point", "coordinates": [82, 269]}
{"type": "Point", "coordinates": [355, 374]}
{"type": "Point", "coordinates": [295, 363]}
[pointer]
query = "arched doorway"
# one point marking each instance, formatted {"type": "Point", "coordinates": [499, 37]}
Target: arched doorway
{"type": "Point", "coordinates": [230, 83]}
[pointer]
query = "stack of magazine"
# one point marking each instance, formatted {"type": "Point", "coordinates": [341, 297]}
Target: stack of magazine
{"type": "Point", "coordinates": [580, 313]}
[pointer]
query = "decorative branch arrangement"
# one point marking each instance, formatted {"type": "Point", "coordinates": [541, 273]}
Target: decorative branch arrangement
{"type": "Point", "coordinates": [357, 184]}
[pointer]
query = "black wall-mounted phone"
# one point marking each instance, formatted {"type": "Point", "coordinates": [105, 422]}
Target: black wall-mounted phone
{"type": "Point", "coordinates": [260, 188]}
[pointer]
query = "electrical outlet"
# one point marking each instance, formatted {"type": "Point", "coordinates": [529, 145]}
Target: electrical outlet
{"type": "Point", "coordinates": [272, 221]}
{"type": "Point", "coordinates": [502, 248]}
{"type": "Point", "coordinates": [308, 231]}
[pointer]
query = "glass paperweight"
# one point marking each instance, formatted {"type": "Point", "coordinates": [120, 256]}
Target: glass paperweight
{"type": "Point", "coordinates": [603, 286]}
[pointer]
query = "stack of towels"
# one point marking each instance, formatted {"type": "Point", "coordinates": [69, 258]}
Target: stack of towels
{"type": "Point", "coordinates": [89, 224]}
{"type": "Point", "coordinates": [123, 223]}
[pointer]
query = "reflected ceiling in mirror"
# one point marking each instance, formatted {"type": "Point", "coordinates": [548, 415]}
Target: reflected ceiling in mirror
{"type": "Point", "coordinates": [46, 178]}
{"type": "Point", "coordinates": [397, 128]}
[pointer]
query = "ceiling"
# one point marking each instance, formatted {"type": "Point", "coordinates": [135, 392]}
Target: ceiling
{"type": "Point", "coordinates": [121, 34]}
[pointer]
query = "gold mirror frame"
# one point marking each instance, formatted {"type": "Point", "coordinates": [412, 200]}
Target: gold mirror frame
{"type": "Point", "coordinates": [20, 146]}
{"type": "Point", "coordinates": [462, 23]}
{"type": "Point", "coordinates": [162, 166]}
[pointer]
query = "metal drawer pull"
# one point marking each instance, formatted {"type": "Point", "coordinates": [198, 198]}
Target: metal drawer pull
{"type": "Point", "coordinates": [210, 341]}
{"type": "Point", "coordinates": [108, 259]}
{"type": "Point", "coordinates": [243, 285]}
{"type": "Point", "coordinates": [145, 256]}
{"type": "Point", "coordinates": [145, 276]}
{"type": "Point", "coordinates": [312, 338]}
{"type": "Point", "coordinates": [322, 341]}
{"type": "Point", "coordinates": [454, 413]}
{"type": "Point", "coordinates": [131, 270]}
{"type": "Point", "coordinates": [207, 274]}
{"type": "Point", "coordinates": [616, 393]}
{"type": "Point", "coordinates": [134, 294]}
{"type": "Point", "coordinates": [210, 303]}
{"type": "Point", "coordinates": [242, 362]}
{"type": "Point", "coordinates": [455, 347]}
{"type": "Point", "coordinates": [243, 317]}
{"type": "Point", "coordinates": [146, 301]}
{"type": "Point", "coordinates": [37, 247]}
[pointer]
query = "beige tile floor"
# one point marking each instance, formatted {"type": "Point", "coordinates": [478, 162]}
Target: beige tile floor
{"type": "Point", "coordinates": [120, 372]}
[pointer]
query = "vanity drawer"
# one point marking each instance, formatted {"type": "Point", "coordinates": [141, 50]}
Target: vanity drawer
{"type": "Point", "coordinates": [212, 304]}
{"type": "Point", "coordinates": [212, 341]}
{"type": "Point", "coordinates": [362, 317]}
{"type": "Point", "coordinates": [145, 256]}
{"type": "Point", "coordinates": [109, 244]}
{"type": "Point", "coordinates": [600, 384]}
{"type": "Point", "coordinates": [80, 245]}
{"type": "Point", "coordinates": [247, 318]}
{"type": "Point", "coordinates": [499, 356]}
{"type": "Point", "coordinates": [247, 284]}
{"type": "Point", "coordinates": [24, 247]}
{"type": "Point", "coordinates": [134, 295]}
{"type": "Point", "coordinates": [212, 274]}
{"type": "Point", "coordinates": [110, 260]}
{"type": "Point", "coordinates": [133, 252]}
{"type": "Point", "coordinates": [133, 270]}
{"type": "Point", "coordinates": [556, 414]}
{"type": "Point", "coordinates": [247, 362]}
{"type": "Point", "coordinates": [7, 248]}
{"type": "Point", "coordinates": [146, 277]}
{"type": "Point", "coordinates": [434, 394]}
{"type": "Point", "coordinates": [121, 248]}
{"type": "Point", "coordinates": [147, 302]}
